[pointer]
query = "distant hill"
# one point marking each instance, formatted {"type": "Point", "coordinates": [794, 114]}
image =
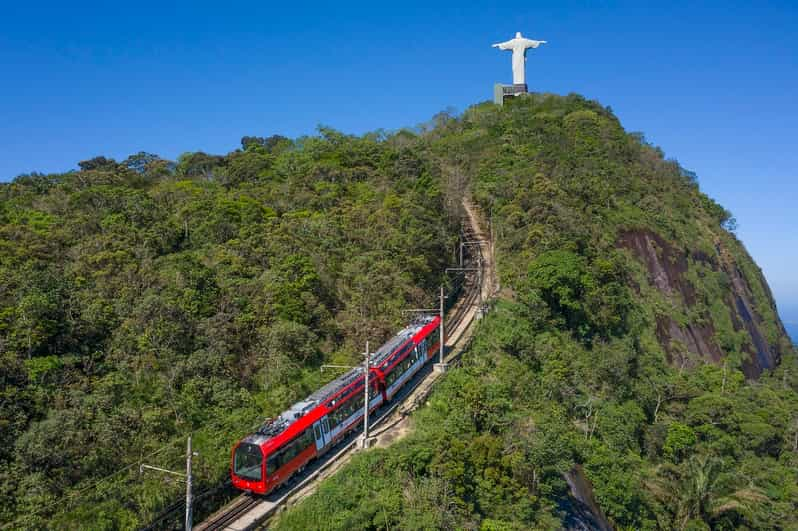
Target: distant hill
{"type": "Point", "coordinates": [792, 331]}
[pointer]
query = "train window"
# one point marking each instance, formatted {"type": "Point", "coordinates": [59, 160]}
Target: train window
{"type": "Point", "coordinates": [247, 461]}
{"type": "Point", "coordinates": [272, 464]}
{"type": "Point", "coordinates": [289, 451]}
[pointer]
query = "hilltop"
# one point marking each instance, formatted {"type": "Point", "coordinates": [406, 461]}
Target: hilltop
{"type": "Point", "coordinates": [634, 349]}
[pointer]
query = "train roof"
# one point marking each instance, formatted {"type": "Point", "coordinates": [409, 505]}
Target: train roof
{"type": "Point", "coordinates": [274, 427]}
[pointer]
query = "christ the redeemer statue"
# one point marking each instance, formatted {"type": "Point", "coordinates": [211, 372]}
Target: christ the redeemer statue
{"type": "Point", "coordinates": [519, 46]}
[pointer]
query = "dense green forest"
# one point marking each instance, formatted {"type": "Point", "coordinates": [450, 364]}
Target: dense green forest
{"type": "Point", "coordinates": [144, 300]}
{"type": "Point", "coordinates": [634, 343]}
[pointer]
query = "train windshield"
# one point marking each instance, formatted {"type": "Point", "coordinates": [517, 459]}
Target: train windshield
{"type": "Point", "coordinates": [247, 461]}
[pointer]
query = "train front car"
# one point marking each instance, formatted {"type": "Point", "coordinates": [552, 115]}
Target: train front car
{"type": "Point", "coordinates": [280, 448]}
{"type": "Point", "coordinates": [248, 470]}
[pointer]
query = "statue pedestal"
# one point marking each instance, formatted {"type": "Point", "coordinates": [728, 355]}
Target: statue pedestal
{"type": "Point", "coordinates": [502, 92]}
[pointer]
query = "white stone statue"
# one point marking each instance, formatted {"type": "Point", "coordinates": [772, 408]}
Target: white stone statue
{"type": "Point", "coordinates": [519, 46]}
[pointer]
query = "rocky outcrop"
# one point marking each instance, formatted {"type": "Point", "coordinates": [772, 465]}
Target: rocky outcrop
{"type": "Point", "coordinates": [696, 339]}
{"type": "Point", "coordinates": [666, 268]}
{"type": "Point", "coordinates": [763, 355]}
{"type": "Point", "coordinates": [580, 508]}
{"type": "Point", "coordinates": [686, 343]}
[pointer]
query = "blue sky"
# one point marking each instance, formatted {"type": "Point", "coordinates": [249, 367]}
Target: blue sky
{"type": "Point", "coordinates": [712, 83]}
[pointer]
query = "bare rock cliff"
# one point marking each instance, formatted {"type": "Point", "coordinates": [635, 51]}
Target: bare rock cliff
{"type": "Point", "coordinates": [688, 340]}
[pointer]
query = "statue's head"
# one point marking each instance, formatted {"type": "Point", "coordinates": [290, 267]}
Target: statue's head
{"type": "Point", "coordinates": [517, 34]}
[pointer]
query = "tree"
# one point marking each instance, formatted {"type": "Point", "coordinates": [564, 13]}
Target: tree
{"type": "Point", "coordinates": [698, 491]}
{"type": "Point", "coordinates": [141, 162]}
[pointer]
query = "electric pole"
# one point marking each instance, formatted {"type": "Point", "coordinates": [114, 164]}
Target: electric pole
{"type": "Point", "coordinates": [366, 403]}
{"type": "Point", "coordinates": [363, 442]}
{"type": "Point", "coordinates": [441, 365]}
{"type": "Point", "coordinates": [187, 477]}
{"type": "Point", "coordinates": [479, 284]}
{"type": "Point", "coordinates": [440, 360]}
{"type": "Point", "coordinates": [478, 269]}
{"type": "Point", "coordinates": [188, 485]}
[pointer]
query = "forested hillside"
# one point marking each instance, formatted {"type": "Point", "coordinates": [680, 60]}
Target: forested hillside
{"type": "Point", "coordinates": [144, 300]}
{"type": "Point", "coordinates": [635, 347]}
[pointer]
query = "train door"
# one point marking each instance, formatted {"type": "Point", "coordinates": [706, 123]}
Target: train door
{"type": "Point", "coordinates": [422, 348]}
{"type": "Point", "coordinates": [318, 434]}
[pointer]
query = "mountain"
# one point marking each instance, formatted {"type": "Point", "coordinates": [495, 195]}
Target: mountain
{"type": "Point", "coordinates": [634, 351]}
{"type": "Point", "coordinates": [632, 372]}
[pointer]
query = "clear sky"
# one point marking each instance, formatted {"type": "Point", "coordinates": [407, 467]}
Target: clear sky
{"type": "Point", "coordinates": [712, 83]}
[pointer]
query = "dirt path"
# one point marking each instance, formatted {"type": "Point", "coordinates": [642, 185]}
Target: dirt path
{"type": "Point", "coordinates": [490, 285]}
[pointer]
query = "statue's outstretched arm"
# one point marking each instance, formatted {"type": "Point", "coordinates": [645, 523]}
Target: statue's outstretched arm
{"type": "Point", "coordinates": [529, 43]}
{"type": "Point", "coordinates": [503, 45]}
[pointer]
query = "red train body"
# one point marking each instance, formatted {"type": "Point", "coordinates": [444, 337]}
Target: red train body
{"type": "Point", "coordinates": [281, 447]}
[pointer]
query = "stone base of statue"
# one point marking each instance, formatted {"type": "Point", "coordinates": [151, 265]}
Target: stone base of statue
{"type": "Point", "coordinates": [502, 92]}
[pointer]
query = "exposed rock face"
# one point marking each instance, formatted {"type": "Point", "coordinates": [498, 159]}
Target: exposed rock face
{"type": "Point", "coordinates": [667, 268]}
{"type": "Point", "coordinates": [763, 355]}
{"type": "Point", "coordinates": [582, 513]}
{"type": "Point", "coordinates": [698, 339]}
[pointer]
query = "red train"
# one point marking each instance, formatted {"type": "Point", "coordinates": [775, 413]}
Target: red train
{"type": "Point", "coordinates": [284, 445]}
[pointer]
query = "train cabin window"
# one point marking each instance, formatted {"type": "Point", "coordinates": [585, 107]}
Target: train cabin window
{"type": "Point", "coordinates": [247, 461]}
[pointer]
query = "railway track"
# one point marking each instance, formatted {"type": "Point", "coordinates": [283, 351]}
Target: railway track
{"type": "Point", "coordinates": [250, 512]}
{"type": "Point", "coordinates": [240, 506]}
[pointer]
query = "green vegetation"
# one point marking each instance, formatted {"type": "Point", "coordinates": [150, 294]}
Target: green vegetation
{"type": "Point", "coordinates": [619, 342]}
{"type": "Point", "coordinates": [633, 336]}
{"type": "Point", "coordinates": [145, 300]}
